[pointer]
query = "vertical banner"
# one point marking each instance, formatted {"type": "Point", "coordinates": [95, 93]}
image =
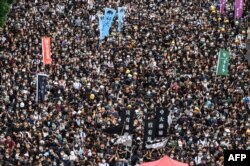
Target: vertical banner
{"type": "Point", "coordinates": [127, 120]}
{"type": "Point", "coordinates": [46, 50]}
{"type": "Point", "coordinates": [238, 8]}
{"type": "Point", "coordinates": [108, 19]}
{"type": "Point", "coordinates": [40, 87]}
{"type": "Point", "coordinates": [223, 62]}
{"type": "Point", "coordinates": [222, 6]}
{"type": "Point", "coordinates": [101, 18]}
{"type": "Point", "coordinates": [149, 131]}
{"type": "Point", "coordinates": [121, 14]}
{"type": "Point", "coordinates": [161, 122]}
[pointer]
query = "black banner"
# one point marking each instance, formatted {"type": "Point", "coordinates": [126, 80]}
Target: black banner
{"type": "Point", "coordinates": [40, 87]}
{"type": "Point", "coordinates": [128, 120]}
{"type": "Point", "coordinates": [161, 122]}
{"type": "Point", "coordinates": [149, 131]}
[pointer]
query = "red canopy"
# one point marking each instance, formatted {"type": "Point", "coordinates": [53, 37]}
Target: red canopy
{"type": "Point", "coordinates": [165, 161]}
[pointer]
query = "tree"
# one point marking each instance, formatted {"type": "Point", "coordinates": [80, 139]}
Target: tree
{"type": "Point", "coordinates": [4, 10]}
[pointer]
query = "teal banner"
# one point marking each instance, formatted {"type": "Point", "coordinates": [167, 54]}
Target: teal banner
{"type": "Point", "coordinates": [223, 62]}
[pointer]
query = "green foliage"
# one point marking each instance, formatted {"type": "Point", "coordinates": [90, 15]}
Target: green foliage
{"type": "Point", "coordinates": [2, 21]}
{"type": "Point", "coordinates": [4, 10]}
{"type": "Point", "coordinates": [8, 1]}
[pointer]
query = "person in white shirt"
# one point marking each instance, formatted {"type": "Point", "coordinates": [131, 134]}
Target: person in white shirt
{"type": "Point", "coordinates": [103, 163]}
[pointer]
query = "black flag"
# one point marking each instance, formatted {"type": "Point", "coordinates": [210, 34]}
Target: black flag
{"type": "Point", "coordinates": [125, 125]}
{"type": "Point", "coordinates": [149, 131]}
{"type": "Point", "coordinates": [40, 87]}
{"type": "Point", "coordinates": [161, 121]}
{"type": "Point", "coordinates": [128, 120]}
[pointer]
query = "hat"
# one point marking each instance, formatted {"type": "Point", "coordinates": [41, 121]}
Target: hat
{"type": "Point", "coordinates": [222, 29]}
{"type": "Point", "coordinates": [92, 96]}
{"type": "Point", "coordinates": [127, 71]}
{"type": "Point", "coordinates": [248, 131]}
{"type": "Point", "coordinates": [213, 8]}
{"type": "Point", "coordinates": [196, 109]}
{"type": "Point", "coordinates": [129, 106]}
{"type": "Point", "coordinates": [21, 104]}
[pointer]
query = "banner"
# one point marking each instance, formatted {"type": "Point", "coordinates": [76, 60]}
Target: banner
{"type": "Point", "coordinates": [156, 144]}
{"type": "Point", "coordinates": [126, 124]}
{"type": "Point", "coordinates": [107, 22]}
{"type": "Point", "coordinates": [161, 122]}
{"type": "Point", "coordinates": [101, 18]}
{"type": "Point", "coordinates": [238, 8]}
{"type": "Point", "coordinates": [46, 50]}
{"type": "Point", "coordinates": [222, 6]}
{"type": "Point", "coordinates": [128, 120]}
{"type": "Point", "coordinates": [121, 14]}
{"type": "Point", "coordinates": [125, 140]}
{"type": "Point", "coordinates": [40, 87]}
{"type": "Point", "coordinates": [223, 62]}
{"type": "Point", "coordinates": [149, 131]}
{"type": "Point", "coordinates": [113, 129]}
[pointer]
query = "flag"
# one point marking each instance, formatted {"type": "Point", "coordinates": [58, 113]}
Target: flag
{"type": "Point", "coordinates": [107, 21]}
{"type": "Point", "coordinates": [238, 8]}
{"type": "Point", "coordinates": [161, 121]}
{"type": "Point", "coordinates": [149, 131]}
{"type": "Point", "coordinates": [125, 125]}
{"type": "Point", "coordinates": [101, 18]}
{"type": "Point", "coordinates": [156, 144]}
{"type": "Point", "coordinates": [121, 14]}
{"type": "Point", "coordinates": [40, 87]}
{"type": "Point", "coordinates": [127, 118]}
{"type": "Point", "coordinates": [114, 129]}
{"type": "Point", "coordinates": [125, 140]}
{"type": "Point", "coordinates": [222, 6]}
{"type": "Point", "coordinates": [223, 62]}
{"type": "Point", "coordinates": [46, 50]}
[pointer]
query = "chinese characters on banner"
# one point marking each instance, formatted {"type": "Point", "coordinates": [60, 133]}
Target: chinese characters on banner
{"type": "Point", "coordinates": [222, 6]}
{"type": "Point", "coordinates": [149, 131]}
{"type": "Point", "coordinates": [40, 87]}
{"type": "Point", "coordinates": [161, 122]}
{"type": "Point", "coordinates": [238, 8]}
{"type": "Point", "coordinates": [101, 18]}
{"type": "Point", "coordinates": [223, 62]}
{"type": "Point", "coordinates": [121, 14]}
{"type": "Point", "coordinates": [46, 50]}
{"type": "Point", "coordinates": [128, 121]}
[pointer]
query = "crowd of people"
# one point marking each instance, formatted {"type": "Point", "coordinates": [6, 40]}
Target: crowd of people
{"type": "Point", "coordinates": [167, 49]}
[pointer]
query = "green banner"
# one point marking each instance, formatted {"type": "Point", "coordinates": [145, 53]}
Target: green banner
{"type": "Point", "coordinates": [223, 62]}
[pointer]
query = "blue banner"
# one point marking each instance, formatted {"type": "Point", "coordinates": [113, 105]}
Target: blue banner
{"type": "Point", "coordinates": [101, 18]}
{"type": "Point", "coordinates": [107, 22]}
{"type": "Point", "coordinates": [40, 87]}
{"type": "Point", "coordinates": [121, 14]}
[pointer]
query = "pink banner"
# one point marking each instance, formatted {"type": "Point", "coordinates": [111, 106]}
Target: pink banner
{"type": "Point", "coordinates": [222, 6]}
{"type": "Point", "coordinates": [239, 8]}
{"type": "Point", "coordinates": [46, 50]}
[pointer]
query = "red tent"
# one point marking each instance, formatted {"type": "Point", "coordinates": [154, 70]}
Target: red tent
{"type": "Point", "coordinates": [165, 161]}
